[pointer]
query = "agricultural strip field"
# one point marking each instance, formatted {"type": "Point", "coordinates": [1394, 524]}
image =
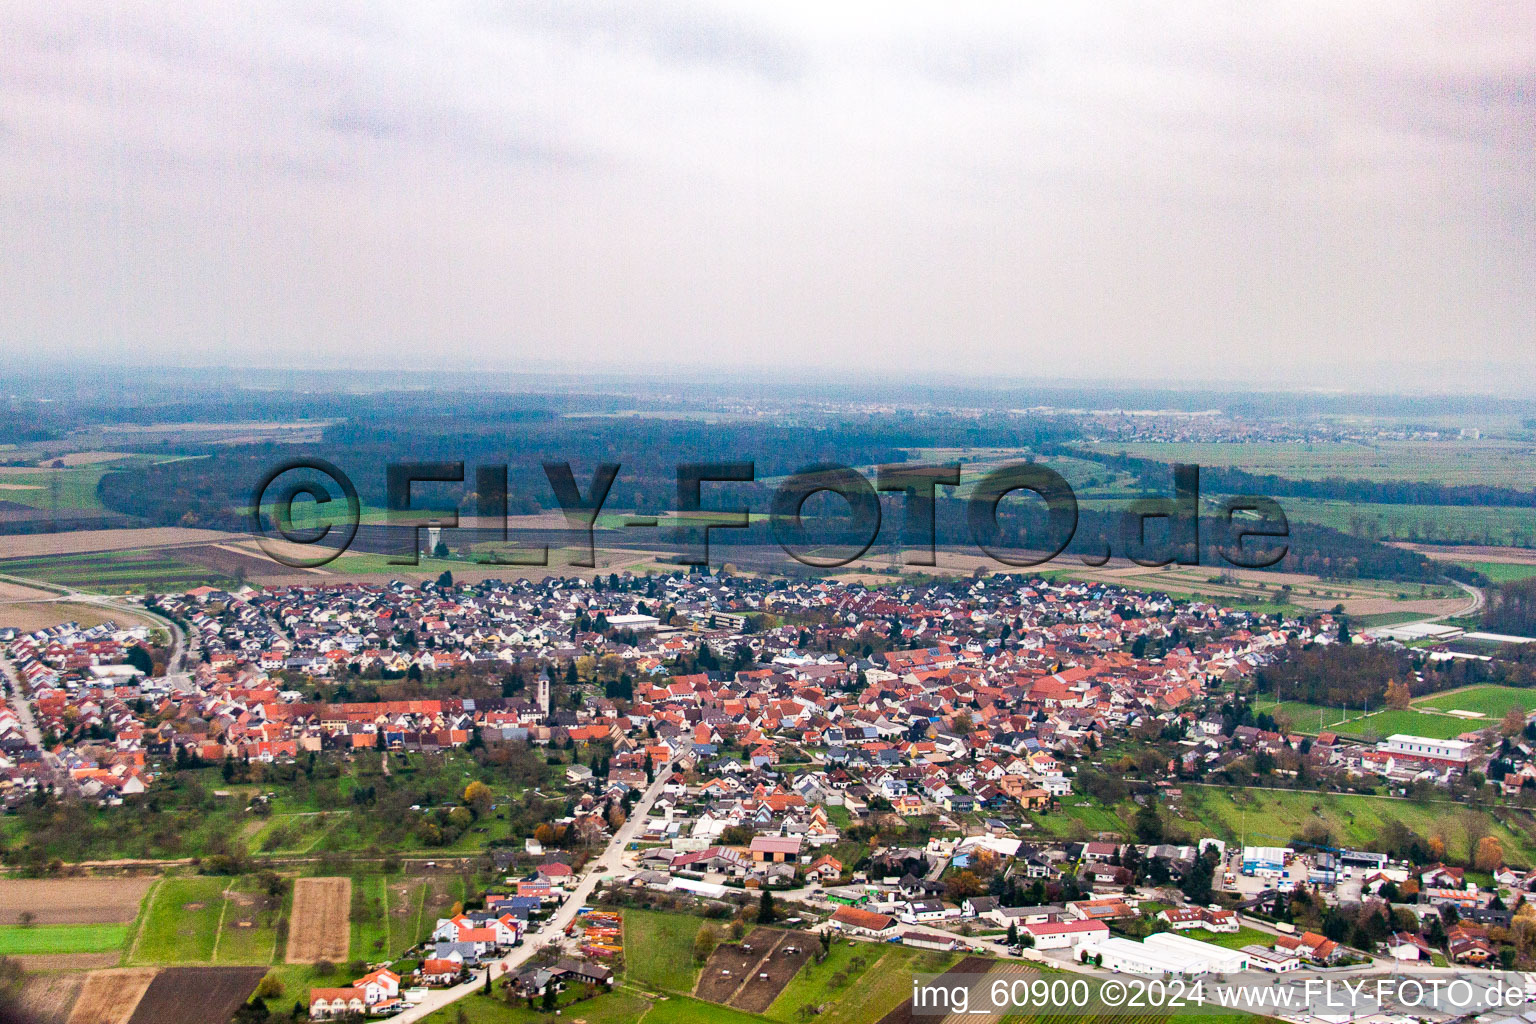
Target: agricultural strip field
{"type": "Point", "coordinates": [769, 977]}
{"type": "Point", "coordinates": [1352, 819]}
{"type": "Point", "coordinates": [1501, 572]}
{"type": "Point", "coordinates": [46, 545]}
{"type": "Point", "coordinates": [321, 908]}
{"type": "Point", "coordinates": [115, 571]}
{"type": "Point", "coordinates": [658, 949]}
{"type": "Point", "coordinates": [48, 998]}
{"type": "Point", "coordinates": [617, 1007]}
{"type": "Point", "coordinates": [29, 616]}
{"type": "Point", "coordinates": [62, 938]}
{"type": "Point", "coordinates": [248, 928]}
{"type": "Point", "coordinates": [1497, 463]}
{"type": "Point", "coordinates": [1457, 524]}
{"type": "Point", "coordinates": [903, 1013]}
{"type": "Point", "coordinates": [72, 900]}
{"type": "Point", "coordinates": [181, 922]}
{"type": "Point", "coordinates": [111, 997]}
{"type": "Point", "coordinates": [370, 918]}
{"type": "Point", "coordinates": [196, 995]}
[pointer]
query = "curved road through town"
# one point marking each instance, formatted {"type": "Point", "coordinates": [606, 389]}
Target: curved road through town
{"type": "Point", "coordinates": [174, 661]}
{"type": "Point", "coordinates": [600, 867]}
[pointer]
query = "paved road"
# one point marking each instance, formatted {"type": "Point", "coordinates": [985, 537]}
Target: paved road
{"type": "Point", "coordinates": [23, 708]}
{"type": "Point", "coordinates": [1475, 602]}
{"type": "Point", "coordinates": [606, 863]}
{"type": "Point", "coordinates": [174, 661]}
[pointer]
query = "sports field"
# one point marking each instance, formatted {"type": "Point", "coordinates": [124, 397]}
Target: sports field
{"type": "Point", "coordinates": [1490, 701]}
{"type": "Point", "coordinates": [1432, 721]}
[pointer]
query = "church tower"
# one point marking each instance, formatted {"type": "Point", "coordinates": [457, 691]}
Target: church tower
{"type": "Point", "coordinates": [544, 693]}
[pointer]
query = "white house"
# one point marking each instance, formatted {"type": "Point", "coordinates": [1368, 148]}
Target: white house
{"type": "Point", "coordinates": [1065, 934]}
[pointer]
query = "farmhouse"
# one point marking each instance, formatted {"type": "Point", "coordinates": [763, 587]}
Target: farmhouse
{"type": "Point", "coordinates": [775, 850]}
{"type": "Point", "coordinates": [863, 922]}
{"type": "Point", "coordinates": [1066, 934]}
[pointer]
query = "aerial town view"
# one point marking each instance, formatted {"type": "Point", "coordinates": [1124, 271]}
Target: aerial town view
{"type": "Point", "coordinates": [706, 513]}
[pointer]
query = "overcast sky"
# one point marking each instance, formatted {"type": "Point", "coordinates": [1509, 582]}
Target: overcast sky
{"type": "Point", "coordinates": [1295, 193]}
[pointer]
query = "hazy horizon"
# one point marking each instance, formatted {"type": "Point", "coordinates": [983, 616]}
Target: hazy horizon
{"type": "Point", "coordinates": [1306, 198]}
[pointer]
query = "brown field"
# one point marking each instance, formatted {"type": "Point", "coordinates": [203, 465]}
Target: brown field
{"type": "Point", "coordinates": [111, 997]}
{"type": "Point", "coordinates": [321, 920]}
{"type": "Point", "coordinates": [72, 900]}
{"type": "Point", "coordinates": [66, 961]}
{"type": "Point", "coordinates": [229, 558]}
{"type": "Point", "coordinates": [48, 998]}
{"type": "Point", "coordinates": [734, 972]}
{"type": "Point", "coordinates": [33, 615]}
{"type": "Point", "coordinates": [37, 545]}
{"type": "Point", "coordinates": [779, 965]}
{"type": "Point", "coordinates": [196, 995]}
{"type": "Point", "coordinates": [731, 963]}
{"type": "Point", "coordinates": [904, 1014]}
{"type": "Point", "coordinates": [1472, 553]}
{"type": "Point", "coordinates": [17, 592]}
{"type": "Point", "coordinates": [89, 458]}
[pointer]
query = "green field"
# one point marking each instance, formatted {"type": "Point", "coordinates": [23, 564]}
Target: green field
{"type": "Point", "coordinates": [1492, 701]}
{"type": "Point", "coordinates": [181, 922]}
{"type": "Point", "coordinates": [62, 938]}
{"type": "Point", "coordinates": [863, 981]}
{"type": "Point", "coordinates": [248, 929]}
{"type": "Point", "coordinates": [115, 571]}
{"type": "Point", "coordinates": [658, 949]}
{"type": "Point", "coordinates": [1502, 572]}
{"type": "Point", "coordinates": [1457, 524]}
{"type": "Point", "coordinates": [1497, 463]}
{"type": "Point", "coordinates": [1304, 718]}
{"type": "Point", "coordinates": [1232, 940]}
{"type": "Point", "coordinates": [1079, 814]}
{"type": "Point", "coordinates": [1352, 819]}
{"type": "Point", "coordinates": [72, 487]}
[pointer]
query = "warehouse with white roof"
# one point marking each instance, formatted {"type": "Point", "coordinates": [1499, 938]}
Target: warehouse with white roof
{"type": "Point", "coordinates": [1221, 959]}
{"type": "Point", "coordinates": [1129, 957]}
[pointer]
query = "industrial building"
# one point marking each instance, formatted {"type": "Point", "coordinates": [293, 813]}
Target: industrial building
{"type": "Point", "coordinates": [1265, 860]}
{"type": "Point", "coordinates": [1422, 748]}
{"type": "Point", "coordinates": [1221, 959]}
{"type": "Point", "coordinates": [1117, 954]}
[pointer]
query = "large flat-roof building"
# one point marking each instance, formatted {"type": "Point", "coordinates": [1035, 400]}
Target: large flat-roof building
{"type": "Point", "coordinates": [1221, 959]}
{"type": "Point", "coordinates": [1265, 860]}
{"type": "Point", "coordinates": [1455, 753]}
{"type": "Point", "coordinates": [1117, 954]}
